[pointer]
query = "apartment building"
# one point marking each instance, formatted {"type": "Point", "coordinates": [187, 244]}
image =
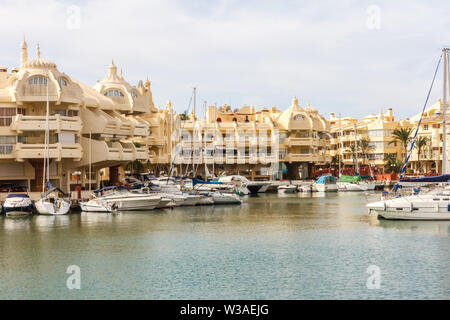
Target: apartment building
{"type": "Point", "coordinates": [346, 132]}
{"type": "Point", "coordinates": [267, 143]}
{"type": "Point", "coordinates": [430, 129]}
{"type": "Point", "coordinates": [88, 127]}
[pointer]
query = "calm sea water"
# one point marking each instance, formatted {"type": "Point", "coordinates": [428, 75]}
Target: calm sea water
{"type": "Point", "coordinates": [271, 247]}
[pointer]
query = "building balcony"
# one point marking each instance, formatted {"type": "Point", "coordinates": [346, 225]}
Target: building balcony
{"type": "Point", "coordinates": [308, 157]}
{"type": "Point", "coordinates": [56, 151]}
{"type": "Point", "coordinates": [56, 123]}
{"type": "Point", "coordinates": [298, 141]}
{"type": "Point", "coordinates": [156, 141]}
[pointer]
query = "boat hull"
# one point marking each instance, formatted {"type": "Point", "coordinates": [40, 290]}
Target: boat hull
{"type": "Point", "coordinates": [48, 208]}
{"type": "Point", "coordinates": [322, 187]}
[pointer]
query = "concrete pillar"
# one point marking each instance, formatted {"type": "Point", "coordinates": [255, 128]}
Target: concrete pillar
{"type": "Point", "coordinates": [114, 175]}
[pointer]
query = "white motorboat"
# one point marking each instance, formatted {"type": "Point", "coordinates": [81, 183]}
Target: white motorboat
{"type": "Point", "coordinates": [225, 198]}
{"type": "Point", "coordinates": [287, 188]}
{"type": "Point", "coordinates": [434, 205]}
{"type": "Point", "coordinates": [353, 183]}
{"type": "Point", "coordinates": [265, 186]}
{"type": "Point", "coordinates": [305, 188]}
{"type": "Point", "coordinates": [242, 182]}
{"type": "Point", "coordinates": [51, 204]}
{"type": "Point", "coordinates": [17, 204]}
{"type": "Point", "coordinates": [96, 205]}
{"type": "Point", "coordinates": [205, 199]}
{"type": "Point", "coordinates": [326, 184]}
{"type": "Point", "coordinates": [164, 203]}
{"type": "Point", "coordinates": [123, 200]}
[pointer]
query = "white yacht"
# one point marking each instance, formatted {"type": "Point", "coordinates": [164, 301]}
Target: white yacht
{"type": "Point", "coordinates": [287, 188]}
{"type": "Point", "coordinates": [240, 181]}
{"type": "Point", "coordinates": [123, 200]}
{"type": "Point", "coordinates": [225, 198]}
{"type": "Point", "coordinates": [326, 184]}
{"type": "Point", "coordinates": [353, 183]}
{"type": "Point", "coordinates": [96, 205]}
{"type": "Point", "coordinates": [51, 204]}
{"type": "Point", "coordinates": [17, 204]}
{"type": "Point", "coordinates": [434, 205]}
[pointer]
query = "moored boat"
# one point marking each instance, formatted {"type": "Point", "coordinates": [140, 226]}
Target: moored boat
{"type": "Point", "coordinates": [51, 204]}
{"type": "Point", "coordinates": [18, 204]}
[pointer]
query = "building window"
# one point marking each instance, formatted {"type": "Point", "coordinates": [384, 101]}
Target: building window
{"type": "Point", "coordinates": [38, 80]}
{"type": "Point", "coordinates": [299, 117]}
{"type": "Point", "coordinates": [7, 143]}
{"type": "Point", "coordinates": [62, 82]}
{"type": "Point", "coordinates": [133, 94]}
{"type": "Point", "coordinates": [425, 127]}
{"type": "Point", "coordinates": [114, 93]}
{"type": "Point", "coordinates": [72, 113]}
{"type": "Point", "coordinates": [6, 115]}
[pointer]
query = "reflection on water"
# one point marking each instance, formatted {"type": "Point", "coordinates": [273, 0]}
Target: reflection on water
{"type": "Point", "coordinates": [433, 227]}
{"type": "Point", "coordinates": [273, 246]}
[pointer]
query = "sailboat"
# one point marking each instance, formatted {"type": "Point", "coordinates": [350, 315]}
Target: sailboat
{"type": "Point", "coordinates": [50, 203]}
{"type": "Point", "coordinates": [434, 205]}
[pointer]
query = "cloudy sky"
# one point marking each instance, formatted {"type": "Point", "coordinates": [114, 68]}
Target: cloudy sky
{"type": "Point", "coordinates": [352, 57]}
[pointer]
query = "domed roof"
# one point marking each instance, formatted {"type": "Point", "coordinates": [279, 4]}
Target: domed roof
{"type": "Point", "coordinates": [38, 62]}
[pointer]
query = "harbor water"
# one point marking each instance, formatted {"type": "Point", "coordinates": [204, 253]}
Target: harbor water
{"type": "Point", "coordinates": [291, 246]}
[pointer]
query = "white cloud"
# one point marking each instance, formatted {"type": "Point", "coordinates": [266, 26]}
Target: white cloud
{"type": "Point", "coordinates": [252, 52]}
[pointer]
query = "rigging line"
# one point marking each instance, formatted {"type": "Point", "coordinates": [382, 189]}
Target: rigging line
{"type": "Point", "coordinates": [418, 125]}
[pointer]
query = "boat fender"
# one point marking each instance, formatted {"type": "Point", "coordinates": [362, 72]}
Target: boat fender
{"type": "Point", "coordinates": [448, 207]}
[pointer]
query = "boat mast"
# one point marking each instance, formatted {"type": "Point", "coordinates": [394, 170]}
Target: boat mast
{"type": "Point", "coordinates": [356, 151]}
{"type": "Point", "coordinates": [45, 173]}
{"type": "Point", "coordinates": [90, 159]}
{"type": "Point", "coordinates": [444, 118]}
{"type": "Point", "coordinates": [339, 145]}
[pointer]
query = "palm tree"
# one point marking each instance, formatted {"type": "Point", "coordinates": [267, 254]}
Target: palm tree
{"type": "Point", "coordinates": [352, 149]}
{"type": "Point", "coordinates": [420, 143]}
{"type": "Point", "coordinates": [392, 163]}
{"type": "Point", "coordinates": [184, 115]}
{"type": "Point", "coordinates": [365, 148]}
{"type": "Point", "coordinates": [335, 161]}
{"type": "Point", "coordinates": [402, 135]}
{"type": "Point", "coordinates": [134, 166]}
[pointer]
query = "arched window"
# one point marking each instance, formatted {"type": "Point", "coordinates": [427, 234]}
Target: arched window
{"type": "Point", "coordinates": [234, 120]}
{"type": "Point", "coordinates": [38, 81]}
{"type": "Point", "coordinates": [114, 93]}
{"type": "Point", "coordinates": [133, 94]}
{"type": "Point", "coordinates": [299, 117]}
{"type": "Point", "coordinates": [219, 120]}
{"type": "Point", "coordinates": [62, 82]}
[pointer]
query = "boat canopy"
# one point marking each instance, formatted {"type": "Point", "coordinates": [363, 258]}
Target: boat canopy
{"type": "Point", "coordinates": [351, 179]}
{"type": "Point", "coordinates": [440, 178]}
{"type": "Point", "coordinates": [51, 190]}
{"type": "Point", "coordinates": [17, 195]}
{"type": "Point", "coordinates": [326, 179]}
{"type": "Point", "coordinates": [197, 181]}
{"type": "Point", "coordinates": [109, 188]}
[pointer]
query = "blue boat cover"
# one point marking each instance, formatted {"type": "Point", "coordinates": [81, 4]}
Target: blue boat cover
{"type": "Point", "coordinates": [17, 195]}
{"type": "Point", "coordinates": [196, 181]}
{"type": "Point", "coordinates": [440, 178]}
{"type": "Point", "coordinates": [324, 179]}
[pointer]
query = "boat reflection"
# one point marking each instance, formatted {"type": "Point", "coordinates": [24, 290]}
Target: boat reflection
{"type": "Point", "coordinates": [441, 228]}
